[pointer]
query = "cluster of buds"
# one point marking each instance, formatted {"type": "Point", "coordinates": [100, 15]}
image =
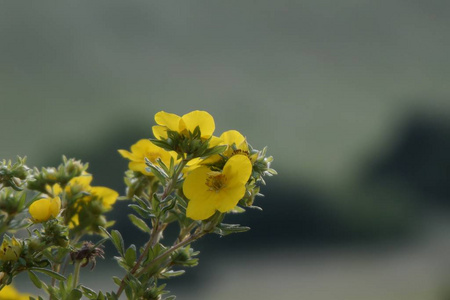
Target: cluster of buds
{"type": "Point", "coordinates": [61, 175]}
{"type": "Point", "coordinates": [13, 175]}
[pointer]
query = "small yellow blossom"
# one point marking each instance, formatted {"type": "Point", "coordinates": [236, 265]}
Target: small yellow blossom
{"type": "Point", "coordinates": [184, 124]}
{"type": "Point", "coordinates": [82, 184]}
{"type": "Point", "coordinates": [229, 138]}
{"type": "Point", "coordinates": [146, 149]}
{"type": "Point", "coordinates": [10, 293]}
{"type": "Point", "coordinates": [10, 250]}
{"type": "Point", "coordinates": [209, 190]}
{"type": "Point", "coordinates": [43, 209]}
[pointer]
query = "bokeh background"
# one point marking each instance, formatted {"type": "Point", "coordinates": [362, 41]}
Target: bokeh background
{"type": "Point", "coordinates": [352, 98]}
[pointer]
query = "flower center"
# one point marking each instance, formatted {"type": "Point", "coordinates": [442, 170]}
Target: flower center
{"type": "Point", "coordinates": [152, 156]}
{"type": "Point", "coordinates": [215, 181]}
{"type": "Point", "coordinates": [239, 151]}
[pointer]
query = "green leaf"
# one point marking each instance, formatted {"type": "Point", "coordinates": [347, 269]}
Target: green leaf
{"type": "Point", "coordinates": [117, 280]}
{"type": "Point", "coordinates": [75, 294]}
{"type": "Point", "coordinates": [139, 223]}
{"type": "Point", "coordinates": [226, 229]}
{"type": "Point", "coordinates": [89, 293]}
{"type": "Point", "coordinates": [129, 292]}
{"type": "Point", "coordinates": [141, 211]}
{"type": "Point", "coordinates": [105, 232]}
{"type": "Point", "coordinates": [36, 281]}
{"type": "Point", "coordinates": [173, 297]}
{"type": "Point", "coordinates": [118, 241]}
{"type": "Point", "coordinates": [214, 150]}
{"type": "Point", "coordinates": [130, 255]}
{"type": "Point", "coordinates": [50, 273]}
{"type": "Point", "coordinates": [173, 273]}
{"type": "Point", "coordinates": [161, 144]}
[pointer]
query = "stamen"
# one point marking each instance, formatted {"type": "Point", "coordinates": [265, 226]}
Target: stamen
{"type": "Point", "coordinates": [215, 181]}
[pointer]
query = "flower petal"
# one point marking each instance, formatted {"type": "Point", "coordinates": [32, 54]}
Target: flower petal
{"type": "Point", "coordinates": [40, 210]}
{"type": "Point", "coordinates": [109, 196]}
{"type": "Point", "coordinates": [200, 209]}
{"type": "Point", "coordinates": [126, 154]}
{"type": "Point", "coordinates": [194, 186]}
{"type": "Point", "coordinates": [202, 119]}
{"type": "Point", "coordinates": [231, 137]}
{"type": "Point", "coordinates": [160, 132]}
{"type": "Point", "coordinates": [230, 198]}
{"type": "Point", "coordinates": [55, 206]}
{"type": "Point", "coordinates": [139, 167]}
{"type": "Point", "coordinates": [83, 181]}
{"type": "Point", "coordinates": [237, 170]}
{"type": "Point", "coordinates": [171, 121]}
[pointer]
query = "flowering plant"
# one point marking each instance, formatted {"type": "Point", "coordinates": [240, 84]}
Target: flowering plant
{"type": "Point", "coordinates": [184, 175]}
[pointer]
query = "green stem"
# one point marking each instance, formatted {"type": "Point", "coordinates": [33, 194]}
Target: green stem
{"type": "Point", "coordinates": [157, 228]}
{"type": "Point", "coordinates": [76, 273]}
{"type": "Point", "coordinates": [170, 251]}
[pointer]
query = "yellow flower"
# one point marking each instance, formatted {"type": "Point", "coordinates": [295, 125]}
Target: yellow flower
{"type": "Point", "coordinates": [43, 209]}
{"type": "Point", "coordinates": [209, 190]}
{"type": "Point", "coordinates": [184, 124]}
{"type": "Point", "coordinates": [10, 293]}
{"type": "Point", "coordinates": [229, 138]}
{"type": "Point", "coordinates": [106, 196]}
{"type": "Point", "coordinates": [82, 184]}
{"type": "Point", "coordinates": [10, 250]}
{"type": "Point", "coordinates": [146, 149]}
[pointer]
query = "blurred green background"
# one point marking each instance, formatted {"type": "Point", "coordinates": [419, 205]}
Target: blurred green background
{"type": "Point", "coordinates": [352, 98]}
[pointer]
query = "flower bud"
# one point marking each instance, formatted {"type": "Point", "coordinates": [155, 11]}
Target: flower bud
{"type": "Point", "coordinates": [10, 249]}
{"type": "Point", "coordinates": [43, 209]}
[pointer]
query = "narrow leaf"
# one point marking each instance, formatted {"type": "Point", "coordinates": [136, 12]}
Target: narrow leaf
{"type": "Point", "coordinates": [36, 281]}
{"type": "Point", "coordinates": [139, 223]}
{"type": "Point", "coordinates": [50, 273]}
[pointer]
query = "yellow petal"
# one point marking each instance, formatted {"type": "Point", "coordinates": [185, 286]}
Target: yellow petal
{"type": "Point", "coordinates": [201, 119]}
{"type": "Point", "coordinates": [237, 170]}
{"type": "Point", "coordinates": [231, 137]}
{"type": "Point", "coordinates": [83, 181]}
{"type": "Point", "coordinates": [139, 167]}
{"type": "Point", "coordinates": [55, 206]}
{"type": "Point", "coordinates": [126, 154]}
{"type": "Point", "coordinates": [10, 293]}
{"type": "Point", "coordinates": [194, 186]}
{"type": "Point", "coordinates": [230, 197]}
{"type": "Point", "coordinates": [75, 221]}
{"type": "Point", "coordinates": [200, 209]}
{"type": "Point", "coordinates": [215, 141]}
{"type": "Point", "coordinates": [141, 148]}
{"type": "Point", "coordinates": [202, 201]}
{"type": "Point", "coordinates": [40, 210]}
{"type": "Point", "coordinates": [108, 196]}
{"type": "Point", "coordinates": [57, 189]}
{"type": "Point", "coordinates": [160, 132]}
{"type": "Point", "coordinates": [171, 121]}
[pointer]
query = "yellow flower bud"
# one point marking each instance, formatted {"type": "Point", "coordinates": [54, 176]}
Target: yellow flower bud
{"type": "Point", "coordinates": [43, 209]}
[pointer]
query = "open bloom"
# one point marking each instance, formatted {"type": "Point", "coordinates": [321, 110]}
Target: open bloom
{"type": "Point", "coordinates": [83, 184]}
{"type": "Point", "coordinates": [43, 209]}
{"type": "Point", "coordinates": [184, 124]}
{"type": "Point", "coordinates": [145, 149]}
{"type": "Point", "coordinates": [209, 190]}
